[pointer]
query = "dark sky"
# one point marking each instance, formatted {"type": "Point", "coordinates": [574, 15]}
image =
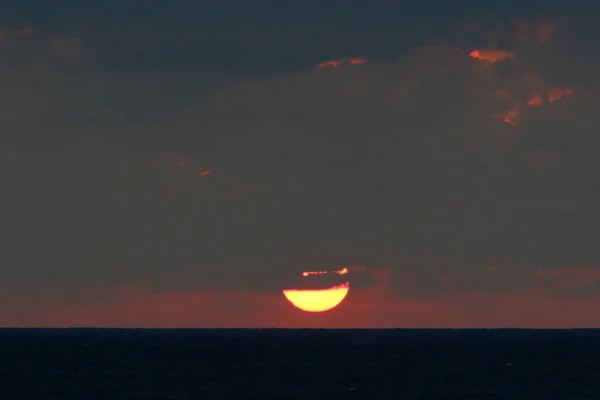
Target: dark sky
{"type": "Point", "coordinates": [178, 163]}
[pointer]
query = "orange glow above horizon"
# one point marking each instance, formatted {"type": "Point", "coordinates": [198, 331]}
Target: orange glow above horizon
{"type": "Point", "coordinates": [318, 300]}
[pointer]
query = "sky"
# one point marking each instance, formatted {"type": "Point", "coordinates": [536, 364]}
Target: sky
{"type": "Point", "coordinates": [178, 164]}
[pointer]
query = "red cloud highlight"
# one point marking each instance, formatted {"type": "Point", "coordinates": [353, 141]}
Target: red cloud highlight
{"type": "Point", "coordinates": [492, 56]}
{"type": "Point", "coordinates": [537, 99]}
{"type": "Point", "coordinates": [342, 271]}
{"type": "Point", "coordinates": [340, 62]}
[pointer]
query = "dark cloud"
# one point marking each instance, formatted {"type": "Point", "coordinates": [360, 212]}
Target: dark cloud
{"type": "Point", "coordinates": [404, 164]}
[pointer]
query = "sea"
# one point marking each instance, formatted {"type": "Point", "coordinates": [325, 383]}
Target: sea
{"type": "Point", "coordinates": [247, 364]}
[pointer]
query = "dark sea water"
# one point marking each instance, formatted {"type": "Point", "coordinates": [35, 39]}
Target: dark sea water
{"type": "Point", "coordinates": [299, 364]}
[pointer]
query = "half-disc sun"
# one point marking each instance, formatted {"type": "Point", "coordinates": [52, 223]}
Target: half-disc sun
{"type": "Point", "coordinates": [317, 300]}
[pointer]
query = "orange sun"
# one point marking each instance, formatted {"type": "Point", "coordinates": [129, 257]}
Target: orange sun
{"type": "Point", "coordinates": [317, 300]}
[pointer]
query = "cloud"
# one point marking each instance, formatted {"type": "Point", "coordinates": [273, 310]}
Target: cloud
{"type": "Point", "coordinates": [65, 46]}
{"type": "Point", "coordinates": [533, 31]}
{"type": "Point", "coordinates": [502, 280]}
{"type": "Point", "coordinates": [10, 33]}
{"type": "Point", "coordinates": [570, 278]}
{"type": "Point", "coordinates": [491, 56]}
{"type": "Point", "coordinates": [384, 93]}
{"type": "Point", "coordinates": [538, 30]}
{"type": "Point", "coordinates": [406, 164]}
{"type": "Point", "coordinates": [338, 63]}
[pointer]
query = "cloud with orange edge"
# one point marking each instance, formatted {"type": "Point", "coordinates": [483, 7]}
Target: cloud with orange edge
{"type": "Point", "coordinates": [342, 61]}
{"type": "Point", "coordinates": [492, 56]}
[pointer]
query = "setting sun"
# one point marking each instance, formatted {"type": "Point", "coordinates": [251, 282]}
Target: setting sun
{"type": "Point", "coordinates": [317, 300]}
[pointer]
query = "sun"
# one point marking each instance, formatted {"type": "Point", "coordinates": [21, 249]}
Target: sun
{"type": "Point", "coordinates": [318, 300]}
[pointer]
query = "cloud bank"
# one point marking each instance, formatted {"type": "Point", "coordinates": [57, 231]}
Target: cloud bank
{"type": "Point", "coordinates": [456, 172]}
